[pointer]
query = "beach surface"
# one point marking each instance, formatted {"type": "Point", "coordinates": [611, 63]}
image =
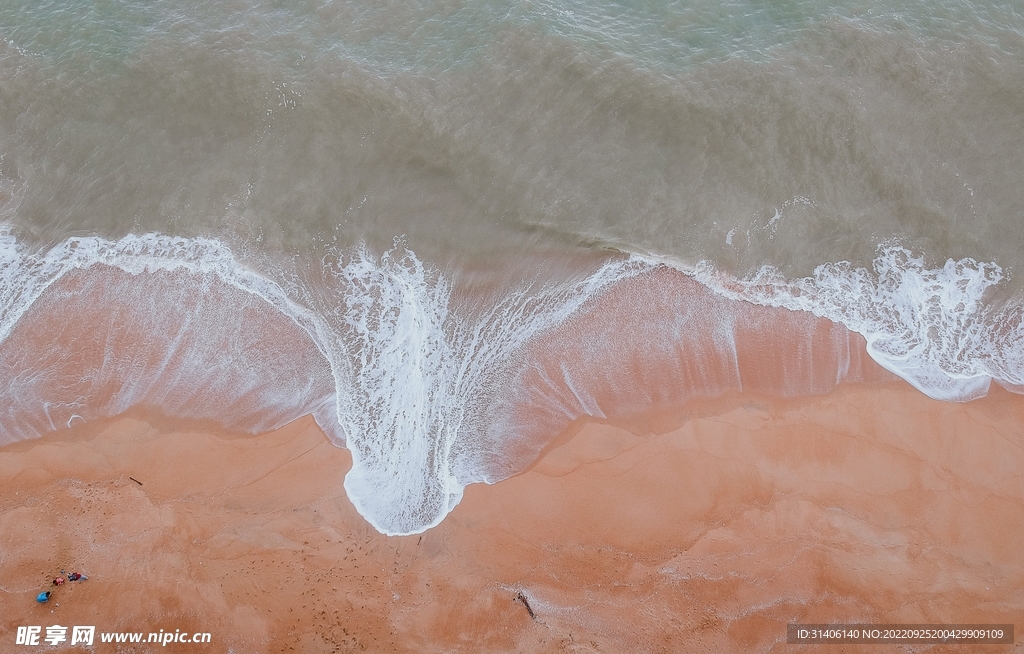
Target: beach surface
{"type": "Point", "coordinates": [707, 528]}
{"type": "Point", "coordinates": [594, 326]}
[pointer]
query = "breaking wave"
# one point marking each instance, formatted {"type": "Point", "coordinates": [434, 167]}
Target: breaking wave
{"type": "Point", "coordinates": [932, 327]}
{"type": "Point", "coordinates": [430, 394]}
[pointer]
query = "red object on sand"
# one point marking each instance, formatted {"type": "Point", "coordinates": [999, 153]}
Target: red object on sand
{"type": "Point", "coordinates": [58, 581]}
{"type": "Point", "coordinates": [74, 576]}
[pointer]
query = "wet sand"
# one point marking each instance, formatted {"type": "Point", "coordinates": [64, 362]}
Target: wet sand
{"type": "Point", "coordinates": [703, 529]}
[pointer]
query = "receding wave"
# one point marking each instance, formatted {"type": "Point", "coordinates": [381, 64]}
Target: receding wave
{"type": "Point", "coordinates": [431, 392]}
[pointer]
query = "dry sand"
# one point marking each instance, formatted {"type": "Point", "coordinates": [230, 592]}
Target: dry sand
{"type": "Point", "coordinates": [705, 529]}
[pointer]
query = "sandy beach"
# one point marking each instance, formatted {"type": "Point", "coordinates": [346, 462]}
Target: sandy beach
{"type": "Point", "coordinates": [708, 529]}
{"type": "Point", "coordinates": [639, 326]}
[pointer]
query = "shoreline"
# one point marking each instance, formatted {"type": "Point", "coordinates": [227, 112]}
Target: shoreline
{"type": "Point", "coordinates": [871, 503]}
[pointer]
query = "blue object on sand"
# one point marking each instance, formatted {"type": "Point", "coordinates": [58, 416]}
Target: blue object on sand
{"type": "Point", "coordinates": [43, 596]}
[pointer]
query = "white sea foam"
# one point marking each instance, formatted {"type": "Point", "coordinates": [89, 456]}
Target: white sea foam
{"type": "Point", "coordinates": [419, 376]}
{"type": "Point", "coordinates": [25, 274]}
{"type": "Point", "coordinates": [416, 375]}
{"type": "Point", "coordinates": [179, 374]}
{"type": "Point", "coordinates": [929, 326]}
{"type": "Point", "coordinates": [412, 374]}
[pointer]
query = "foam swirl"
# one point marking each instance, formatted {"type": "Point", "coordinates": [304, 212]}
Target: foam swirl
{"type": "Point", "coordinates": [930, 326]}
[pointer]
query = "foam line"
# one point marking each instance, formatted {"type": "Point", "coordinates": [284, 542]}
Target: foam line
{"type": "Point", "coordinates": [423, 394]}
{"type": "Point", "coordinates": [929, 326]}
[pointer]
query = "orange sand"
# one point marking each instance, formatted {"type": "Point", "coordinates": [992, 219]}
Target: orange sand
{"type": "Point", "coordinates": [869, 504]}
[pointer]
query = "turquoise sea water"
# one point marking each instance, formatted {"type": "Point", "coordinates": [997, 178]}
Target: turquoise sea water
{"type": "Point", "coordinates": [434, 36]}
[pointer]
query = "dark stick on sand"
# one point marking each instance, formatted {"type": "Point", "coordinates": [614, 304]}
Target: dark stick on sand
{"type": "Point", "coordinates": [522, 598]}
{"type": "Point", "coordinates": [135, 480]}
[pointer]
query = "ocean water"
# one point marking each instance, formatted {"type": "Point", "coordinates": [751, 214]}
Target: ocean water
{"type": "Point", "coordinates": [447, 230]}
